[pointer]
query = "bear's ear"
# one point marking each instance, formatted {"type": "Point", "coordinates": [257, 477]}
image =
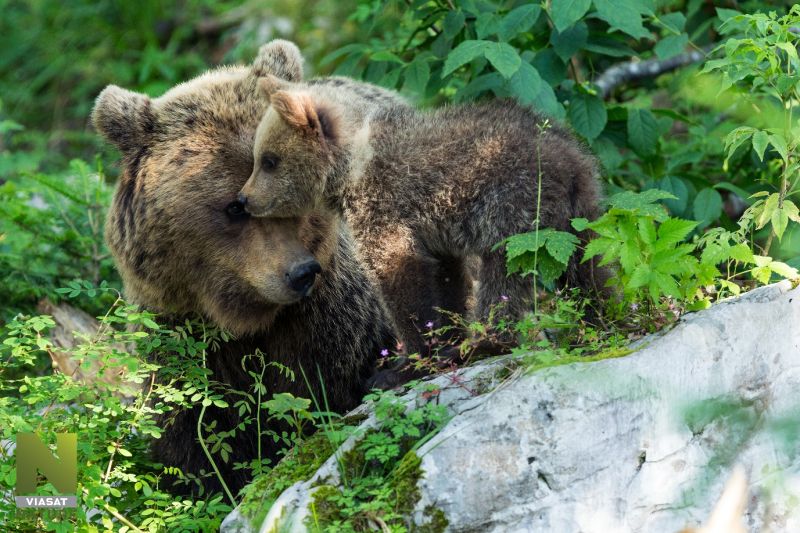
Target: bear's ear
{"type": "Point", "coordinates": [280, 58]}
{"type": "Point", "coordinates": [122, 117]}
{"type": "Point", "coordinates": [301, 111]}
{"type": "Point", "coordinates": [269, 85]}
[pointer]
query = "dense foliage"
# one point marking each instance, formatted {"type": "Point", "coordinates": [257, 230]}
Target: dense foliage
{"type": "Point", "coordinates": [700, 164]}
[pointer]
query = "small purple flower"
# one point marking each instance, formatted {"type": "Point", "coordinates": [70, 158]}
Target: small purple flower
{"type": "Point", "coordinates": [429, 324]}
{"type": "Point", "coordinates": [634, 306]}
{"type": "Point", "coordinates": [504, 298]}
{"type": "Point", "coordinates": [384, 352]}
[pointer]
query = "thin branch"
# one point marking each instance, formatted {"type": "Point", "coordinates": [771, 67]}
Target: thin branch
{"type": "Point", "coordinates": [632, 71]}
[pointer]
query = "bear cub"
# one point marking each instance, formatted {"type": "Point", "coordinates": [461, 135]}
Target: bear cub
{"type": "Point", "coordinates": [421, 188]}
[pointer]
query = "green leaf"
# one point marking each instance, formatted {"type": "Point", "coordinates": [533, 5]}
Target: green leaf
{"type": "Point", "coordinates": [642, 131]}
{"type": "Point", "coordinates": [565, 13]}
{"type": "Point", "coordinates": [671, 46]}
{"type": "Point", "coordinates": [760, 142]}
{"type": "Point", "coordinates": [643, 201]}
{"type": "Point", "coordinates": [782, 269]}
{"type": "Point", "coordinates": [678, 188]}
{"type": "Point", "coordinates": [417, 75]}
{"type": "Point", "coordinates": [504, 58]}
{"type": "Point", "coordinates": [769, 207]}
{"type": "Point", "coordinates": [778, 142]}
{"type": "Point", "coordinates": [547, 102]}
{"type": "Point", "coordinates": [519, 20]}
{"type": "Point", "coordinates": [385, 55]}
{"type": "Point", "coordinates": [453, 23]}
{"type": "Point", "coordinates": [464, 53]}
{"type": "Point", "coordinates": [561, 245]}
{"type": "Point", "coordinates": [526, 84]}
{"type": "Point", "coordinates": [580, 224]}
{"type": "Point", "coordinates": [780, 220]}
{"type": "Point", "coordinates": [550, 269]}
{"type": "Point", "coordinates": [674, 230]}
{"type": "Point", "coordinates": [568, 42]}
{"type": "Point", "coordinates": [487, 24]}
{"type": "Point", "coordinates": [675, 22]}
{"type": "Point", "coordinates": [623, 15]}
{"type": "Point", "coordinates": [707, 206]}
{"type": "Point", "coordinates": [587, 114]}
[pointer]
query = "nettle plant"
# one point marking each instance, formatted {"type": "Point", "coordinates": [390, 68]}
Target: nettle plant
{"type": "Point", "coordinates": [761, 69]}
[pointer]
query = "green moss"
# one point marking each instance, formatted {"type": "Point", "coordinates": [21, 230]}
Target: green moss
{"type": "Point", "coordinates": [324, 509]}
{"type": "Point", "coordinates": [393, 501]}
{"type": "Point", "coordinates": [298, 465]}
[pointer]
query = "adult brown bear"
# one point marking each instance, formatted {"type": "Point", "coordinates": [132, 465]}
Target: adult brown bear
{"type": "Point", "coordinates": [292, 288]}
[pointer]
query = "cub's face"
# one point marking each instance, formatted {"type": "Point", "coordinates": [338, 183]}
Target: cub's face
{"type": "Point", "coordinates": [181, 239]}
{"type": "Point", "coordinates": [295, 153]}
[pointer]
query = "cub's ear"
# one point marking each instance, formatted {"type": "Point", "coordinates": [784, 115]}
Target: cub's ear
{"type": "Point", "coordinates": [122, 117]}
{"type": "Point", "coordinates": [280, 58]}
{"type": "Point", "coordinates": [299, 110]}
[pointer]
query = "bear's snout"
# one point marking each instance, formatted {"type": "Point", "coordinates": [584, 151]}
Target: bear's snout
{"type": "Point", "coordinates": [301, 278]}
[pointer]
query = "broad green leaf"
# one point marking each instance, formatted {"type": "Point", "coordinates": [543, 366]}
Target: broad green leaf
{"type": "Point", "coordinates": [674, 230]}
{"type": "Point", "coordinates": [504, 58]}
{"type": "Point", "coordinates": [487, 24]}
{"type": "Point", "coordinates": [526, 84]}
{"type": "Point", "coordinates": [678, 188]}
{"type": "Point", "coordinates": [561, 245]}
{"type": "Point", "coordinates": [547, 102]}
{"type": "Point", "coordinates": [417, 75]}
{"type": "Point", "coordinates": [642, 131]}
{"type": "Point", "coordinates": [518, 20]}
{"type": "Point", "coordinates": [791, 210]}
{"type": "Point", "coordinates": [766, 210]}
{"type": "Point", "coordinates": [587, 114]}
{"type": "Point", "coordinates": [623, 15]}
{"type": "Point", "coordinates": [675, 22]}
{"type": "Point", "coordinates": [464, 53]}
{"type": "Point", "coordinates": [643, 201]}
{"type": "Point", "coordinates": [580, 224]}
{"type": "Point", "coordinates": [780, 220]}
{"type": "Point", "coordinates": [760, 142]}
{"type": "Point", "coordinates": [647, 230]}
{"type": "Point", "coordinates": [453, 23]}
{"type": "Point", "coordinates": [550, 66]}
{"type": "Point", "coordinates": [550, 269]}
{"type": "Point", "coordinates": [707, 206]}
{"type": "Point", "coordinates": [640, 277]}
{"type": "Point", "coordinates": [485, 82]}
{"type": "Point", "coordinates": [779, 143]}
{"type": "Point", "coordinates": [782, 269]}
{"type": "Point", "coordinates": [671, 46]}
{"type": "Point", "coordinates": [565, 13]}
{"type": "Point", "coordinates": [568, 42]}
{"type": "Point", "coordinates": [742, 253]}
{"type": "Point", "coordinates": [385, 55]}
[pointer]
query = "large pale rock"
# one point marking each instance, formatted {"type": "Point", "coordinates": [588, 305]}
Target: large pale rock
{"type": "Point", "coordinates": [642, 443]}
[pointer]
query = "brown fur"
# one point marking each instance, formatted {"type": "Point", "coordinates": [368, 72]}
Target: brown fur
{"type": "Point", "coordinates": [422, 189]}
{"type": "Point", "coordinates": [185, 156]}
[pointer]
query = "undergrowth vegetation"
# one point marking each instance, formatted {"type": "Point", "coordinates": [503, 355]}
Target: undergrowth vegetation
{"type": "Point", "coordinates": [700, 165]}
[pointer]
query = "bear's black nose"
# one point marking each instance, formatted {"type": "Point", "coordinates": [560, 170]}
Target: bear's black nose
{"type": "Point", "coordinates": [301, 277]}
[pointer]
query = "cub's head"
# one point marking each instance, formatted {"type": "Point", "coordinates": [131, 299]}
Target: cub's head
{"type": "Point", "coordinates": [312, 139]}
{"type": "Point", "coordinates": [181, 239]}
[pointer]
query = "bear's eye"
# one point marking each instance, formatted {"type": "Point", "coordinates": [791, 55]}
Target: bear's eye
{"type": "Point", "coordinates": [235, 211]}
{"type": "Point", "coordinates": [269, 162]}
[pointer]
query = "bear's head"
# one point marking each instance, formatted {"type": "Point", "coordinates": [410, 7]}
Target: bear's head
{"type": "Point", "coordinates": [181, 239]}
{"type": "Point", "coordinates": [312, 140]}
